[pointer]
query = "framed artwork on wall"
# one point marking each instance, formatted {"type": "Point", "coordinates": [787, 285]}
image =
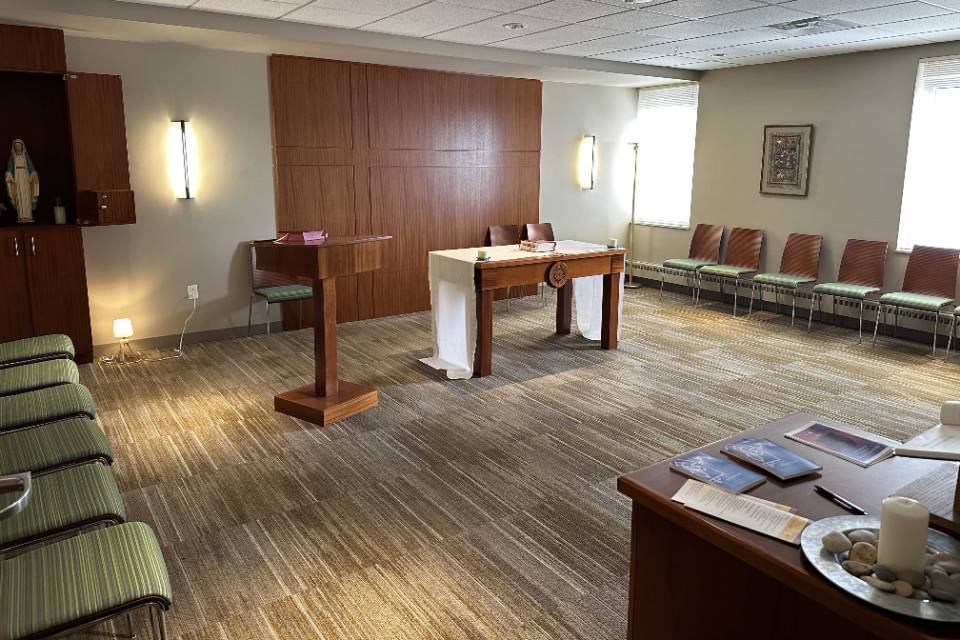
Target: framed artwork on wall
{"type": "Point", "coordinates": [786, 159]}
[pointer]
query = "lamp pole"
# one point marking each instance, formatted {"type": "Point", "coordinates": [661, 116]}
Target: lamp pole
{"type": "Point", "coordinates": [633, 216]}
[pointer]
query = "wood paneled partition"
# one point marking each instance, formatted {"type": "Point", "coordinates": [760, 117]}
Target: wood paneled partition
{"type": "Point", "coordinates": [431, 158]}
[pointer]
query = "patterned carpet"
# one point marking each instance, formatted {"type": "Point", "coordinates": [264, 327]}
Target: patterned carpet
{"type": "Point", "coordinates": [459, 509]}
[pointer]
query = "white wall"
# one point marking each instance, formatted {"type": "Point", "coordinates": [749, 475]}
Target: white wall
{"type": "Point", "coordinates": [860, 106]}
{"type": "Point", "coordinates": [142, 270]}
{"type": "Point", "coordinates": [571, 111]}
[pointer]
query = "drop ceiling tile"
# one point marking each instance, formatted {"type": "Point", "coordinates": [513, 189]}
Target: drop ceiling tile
{"type": "Point", "coordinates": [696, 9]}
{"type": "Point", "coordinates": [666, 61]}
{"type": "Point", "coordinates": [256, 8]}
{"type": "Point", "coordinates": [738, 38]}
{"type": "Point", "coordinates": [635, 20]}
{"type": "Point", "coordinates": [330, 17]}
{"type": "Point", "coordinates": [893, 13]}
{"type": "Point", "coordinates": [830, 7]}
{"type": "Point", "coordinates": [494, 5]}
{"type": "Point", "coordinates": [832, 38]}
{"type": "Point", "coordinates": [762, 17]}
{"type": "Point", "coordinates": [428, 19]}
{"type": "Point", "coordinates": [950, 35]}
{"type": "Point", "coordinates": [688, 29]}
{"type": "Point", "coordinates": [379, 8]}
{"type": "Point", "coordinates": [946, 4]}
{"type": "Point", "coordinates": [568, 34]}
{"type": "Point", "coordinates": [923, 25]}
{"type": "Point", "coordinates": [571, 10]}
{"type": "Point", "coordinates": [605, 45]}
{"type": "Point", "coordinates": [165, 3]}
{"type": "Point", "coordinates": [492, 30]}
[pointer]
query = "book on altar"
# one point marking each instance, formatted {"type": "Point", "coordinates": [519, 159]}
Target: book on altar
{"type": "Point", "coordinates": [303, 236]}
{"type": "Point", "coordinates": [718, 472]}
{"type": "Point", "coordinates": [942, 442]}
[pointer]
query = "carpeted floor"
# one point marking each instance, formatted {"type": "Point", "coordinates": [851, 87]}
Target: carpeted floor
{"type": "Point", "coordinates": [459, 509]}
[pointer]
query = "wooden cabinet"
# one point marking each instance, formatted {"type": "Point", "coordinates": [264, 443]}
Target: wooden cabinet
{"type": "Point", "coordinates": [32, 49]}
{"type": "Point", "coordinates": [44, 281]}
{"type": "Point", "coordinates": [99, 135]}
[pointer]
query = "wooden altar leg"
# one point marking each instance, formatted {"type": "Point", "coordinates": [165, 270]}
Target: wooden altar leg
{"type": "Point", "coordinates": [325, 336]}
{"type": "Point", "coordinates": [564, 297]}
{"type": "Point", "coordinates": [483, 353]}
{"type": "Point", "coordinates": [611, 311]}
{"type": "Point", "coordinates": [328, 399]}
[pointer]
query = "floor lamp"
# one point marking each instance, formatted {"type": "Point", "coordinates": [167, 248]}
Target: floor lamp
{"type": "Point", "coordinates": [630, 284]}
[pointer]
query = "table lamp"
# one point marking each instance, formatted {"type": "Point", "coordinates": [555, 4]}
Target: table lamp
{"type": "Point", "coordinates": [123, 331]}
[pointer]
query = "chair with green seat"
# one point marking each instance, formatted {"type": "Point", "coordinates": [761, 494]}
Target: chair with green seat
{"type": "Point", "coordinates": [953, 330]}
{"type": "Point", "coordinates": [46, 405]}
{"type": "Point", "coordinates": [274, 288]}
{"type": "Point", "coordinates": [929, 286]}
{"type": "Point", "coordinates": [73, 584]}
{"type": "Point", "coordinates": [742, 259]}
{"type": "Point", "coordinates": [49, 347]}
{"type": "Point", "coordinates": [63, 502]}
{"type": "Point", "coordinates": [53, 446]}
{"type": "Point", "coordinates": [860, 277]}
{"type": "Point", "coordinates": [38, 375]}
{"type": "Point", "coordinates": [799, 266]}
{"type": "Point", "coordinates": [704, 251]}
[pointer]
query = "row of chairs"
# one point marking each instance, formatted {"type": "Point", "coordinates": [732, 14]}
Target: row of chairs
{"type": "Point", "coordinates": [68, 557]}
{"type": "Point", "coordinates": [929, 283]}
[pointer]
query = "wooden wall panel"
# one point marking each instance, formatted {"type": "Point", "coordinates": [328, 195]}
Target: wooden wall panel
{"type": "Point", "coordinates": [431, 158]}
{"type": "Point", "coordinates": [98, 131]}
{"type": "Point", "coordinates": [32, 49]}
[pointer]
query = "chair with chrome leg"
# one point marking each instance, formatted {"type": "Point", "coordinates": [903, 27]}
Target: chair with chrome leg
{"type": "Point", "coordinates": [929, 286]}
{"type": "Point", "coordinates": [741, 260]}
{"type": "Point", "coordinates": [860, 278]}
{"type": "Point", "coordinates": [799, 267]}
{"type": "Point", "coordinates": [704, 251]}
{"type": "Point", "coordinates": [501, 235]}
{"type": "Point", "coordinates": [275, 288]}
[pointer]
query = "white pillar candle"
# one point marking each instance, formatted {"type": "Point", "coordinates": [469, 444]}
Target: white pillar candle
{"type": "Point", "coordinates": [483, 254]}
{"type": "Point", "coordinates": [903, 534]}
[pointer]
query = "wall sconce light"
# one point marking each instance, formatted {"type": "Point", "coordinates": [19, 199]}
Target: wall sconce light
{"type": "Point", "coordinates": [123, 331]}
{"type": "Point", "coordinates": [587, 162]}
{"type": "Point", "coordinates": [182, 166]}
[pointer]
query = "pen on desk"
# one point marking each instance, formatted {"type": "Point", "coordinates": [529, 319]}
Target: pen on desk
{"type": "Point", "coordinates": [839, 500]}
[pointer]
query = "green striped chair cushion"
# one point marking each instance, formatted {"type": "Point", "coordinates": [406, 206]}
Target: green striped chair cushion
{"type": "Point", "coordinates": [845, 289]}
{"type": "Point", "coordinates": [38, 375]}
{"type": "Point", "coordinates": [725, 270]}
{"type": "Point", "coordinates": [63, 501]}
{"type": "Point", "coordinates": [786, 280]}
{"type": "Point", "coordinates": [46, 405]}
{"type": "Point", "coordinates": [40, 348]}
{"type": "Point", "coordinates": [915, 300]}
{"type": "Point", "coordinates": [81, 579]}
{"type": "Point", "coordinates": [686, 264]}
{"type": "Point", "coordinates": [285, 292]}
{"type": "Point", "coordinates": [54, 445]}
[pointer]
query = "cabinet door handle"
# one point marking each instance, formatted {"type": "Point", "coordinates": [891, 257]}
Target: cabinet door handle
{"type": "Point", "coordinates": [16, 247]}
{"type": "Point", "coordinates": [33, 245]}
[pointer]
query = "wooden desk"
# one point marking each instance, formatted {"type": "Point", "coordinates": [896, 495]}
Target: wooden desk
{"type": "Point", "coordinates": [692, 576]}
{"type": "Point", "coordinates": [557, 270]}
{"type": "Point", "coordinates": [328, 399]}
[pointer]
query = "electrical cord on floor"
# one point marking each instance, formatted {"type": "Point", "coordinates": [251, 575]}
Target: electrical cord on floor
{"type": "Point", "coordinates": [177, 352]}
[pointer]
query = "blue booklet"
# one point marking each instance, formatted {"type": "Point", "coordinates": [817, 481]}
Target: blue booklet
{"type": "Point", "coordinates": [725, 474]}
{"type": "Point", "coordinates": [771, 457]}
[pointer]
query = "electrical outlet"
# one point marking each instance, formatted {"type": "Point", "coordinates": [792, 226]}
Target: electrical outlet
{"type": "Point", "coordinates": [192, 292]}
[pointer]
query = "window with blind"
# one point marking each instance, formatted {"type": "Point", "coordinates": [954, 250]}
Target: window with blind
{"type": "Point", "coordinates": [930, 210]}
{"type": "Point", "coordinates": [667, 129]}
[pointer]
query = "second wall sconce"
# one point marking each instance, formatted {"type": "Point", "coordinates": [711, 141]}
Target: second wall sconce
{"type": "Point", "coordinates": [587, 162]}
{"type": "Point", "coordinates": [182, 165]}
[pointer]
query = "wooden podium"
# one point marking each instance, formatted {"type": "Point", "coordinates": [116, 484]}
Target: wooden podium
{"type": "Point", "coordinates": [328, 399]}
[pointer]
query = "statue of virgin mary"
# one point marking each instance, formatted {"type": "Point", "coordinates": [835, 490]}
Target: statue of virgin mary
{"type": "Point", "coordinates": [23, 183]}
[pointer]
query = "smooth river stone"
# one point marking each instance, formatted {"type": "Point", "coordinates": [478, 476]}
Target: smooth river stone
{"type": "Point", "coordinates": [943, 596]}
{"type": "Point", "coordinates": [862, 535]}
{"type": "Point", "coordinates": [915, 578]}
{"type": "Point", "coordinates": [950, 566]}
{"type": "Point", "coordinates": [864, 552]}
{"type": "Point", "coordinates": [877, 583]}
{"type": "Point", "coordinates": [942, 582]}
{"type": "Point", "coordinates": [902, 588]}
{"type": "Point", "coordinates": [885, 573]}
{"type": "Point", "coordinates": [920, 594]}
{"type": "Point", "coordinates": [855, 568]}
{"type": "Point", "coordinates": [836, 542]}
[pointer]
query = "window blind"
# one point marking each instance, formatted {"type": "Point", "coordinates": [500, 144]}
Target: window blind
{"type": "Point", "coordinates": [666, 136]}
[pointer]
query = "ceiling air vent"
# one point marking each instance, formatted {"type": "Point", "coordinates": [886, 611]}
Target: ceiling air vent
{"type": "Point", "coordinates": [807, 26]}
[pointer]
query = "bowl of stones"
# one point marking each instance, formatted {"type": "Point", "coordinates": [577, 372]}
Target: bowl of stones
{"type": "Point", "coordinates": [844, 550]}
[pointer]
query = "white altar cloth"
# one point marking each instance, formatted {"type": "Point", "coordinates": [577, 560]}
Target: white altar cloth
{"type": "Point", "coordinates": [453, 301]}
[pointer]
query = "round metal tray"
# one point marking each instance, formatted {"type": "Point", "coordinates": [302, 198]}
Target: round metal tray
{"type": "Point", "coordinates": [829, 565]}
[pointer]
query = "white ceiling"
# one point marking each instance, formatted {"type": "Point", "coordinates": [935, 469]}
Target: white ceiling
{"type": "Point", "coordinates": [686, 34]}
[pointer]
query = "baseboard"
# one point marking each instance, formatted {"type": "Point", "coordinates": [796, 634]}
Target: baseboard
{"type": "Point", "coordinates": [171, 341]}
